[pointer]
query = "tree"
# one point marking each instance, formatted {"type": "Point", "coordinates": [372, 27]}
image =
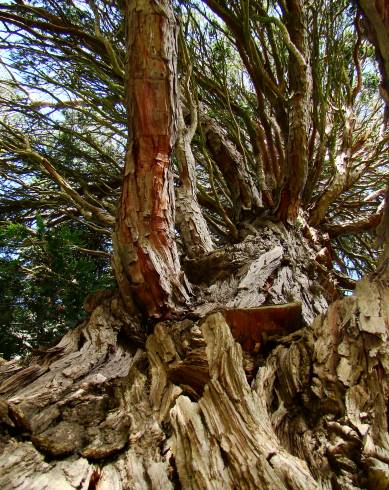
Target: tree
{"type": "Point", "coordinates": [44, 274]}
{"type": "Point", "coordinates": [206, 368]}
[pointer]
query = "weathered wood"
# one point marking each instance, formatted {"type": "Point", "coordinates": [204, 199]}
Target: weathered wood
{"type": "Point", "coordinates": [199, 406]}
{"type": "Point", "coordinates": [77, 424]}
{"type": "Point", "coordinates": [383, 238]}
{"type": "Point", "coordinates": [182, 411]}
{"type": "Point", "coordinates": [189, 217]}
{"type": "Point", "coordinates": [241, 185]}
{"type": "Point", "coordinates": [274, 266]}
{"type": "Point", "coordinates": [342, 168]}
{"type": "Point", "coordinates": [253, 327]}
{"type": "Point", "coordinates": [102, 410]}
{"type": "Point", "coordinates": [225, 438]}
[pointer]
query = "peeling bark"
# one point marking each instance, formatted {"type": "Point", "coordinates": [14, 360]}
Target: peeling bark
{"type": "Point", "coordinates": [249, 390]}
{"type": "Point", "coordinates": [199, 406]}
{"type": "Point", "coordinates": [300, 87]}
{"type": "Point", "coordinates": [275, 266]}
{"type": "Point", "coordinates": [341, 171]}
{"type": "Point", "coordinates": [383, 238]}
{"type": "Point", "coordinates": [353, 227]}
{"type": "Point", "coordinates": [145, 254]}
{"type": "Point", "coordinates": [82, 409]}
{"type": "Point", "coordinates": [189, 217]}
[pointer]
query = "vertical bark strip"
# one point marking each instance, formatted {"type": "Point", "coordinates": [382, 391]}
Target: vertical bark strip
{"type": "Point", "coordinates": [300, 86]}
{"type": "Point", "coordinates": [244, 192]}
{"type": "Point", "coordinates": [189, 217]}
{"type": "Point", "coordinates": [342, 169]}
{"type": "Point", "coordinates": [145, 254]}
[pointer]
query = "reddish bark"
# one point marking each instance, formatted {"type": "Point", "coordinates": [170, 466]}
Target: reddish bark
{"type": "Point", "coordinates": [244, 193]}
{"type": "Point", "coordinates": [300, 86]}
{"type": "Point", "coordinates": [145, 254]}
{"type": "Point", "coordinates": [251, 326]}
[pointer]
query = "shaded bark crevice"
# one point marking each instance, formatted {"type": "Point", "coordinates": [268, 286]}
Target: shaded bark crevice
{"type": "Point", "coordinates": [240, 183]}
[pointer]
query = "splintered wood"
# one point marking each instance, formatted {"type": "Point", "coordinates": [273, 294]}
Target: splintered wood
{"type": "Point", "coordinates": [103, 411]}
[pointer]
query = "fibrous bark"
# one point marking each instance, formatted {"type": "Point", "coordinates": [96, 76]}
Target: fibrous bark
{"type": "Point", "coordinates": [242, 397]}
{"type": "Point", "coordinates": [243, 190]}
{"type": "Point", "coordinates": [275, 266]}
{"type": "Point", "coordinates": [300, 84]}
{"type": "Point", "coordinates": [145, 254]}
{"type": "Point", "coordinates": [189, 217]}
{"type": "Point", "coordinates": [341, 173]}
{"type": "Point", "coordinates": [245, 391]}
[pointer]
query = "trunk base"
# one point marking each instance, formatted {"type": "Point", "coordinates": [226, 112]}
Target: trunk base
{"type": "Point", "coordinates": [210, 404]}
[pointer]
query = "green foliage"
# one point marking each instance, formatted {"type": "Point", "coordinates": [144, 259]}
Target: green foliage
{"type": "Point", "coordinates": [356, 254]}
{"type": "Point", "coordinates": [44, 278]}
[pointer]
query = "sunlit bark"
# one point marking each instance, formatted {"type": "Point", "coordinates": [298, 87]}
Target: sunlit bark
{"type": "Point", "coordinates": [250, 396]}
{"type": "Point", "coordinates": [145, 253]}
{"type": "Point", "coordinates": [255, 384]}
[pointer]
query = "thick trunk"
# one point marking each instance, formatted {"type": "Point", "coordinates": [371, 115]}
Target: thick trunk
{"type": "Point", "coordinates": [249, 390]}
{"type": "Point", "coordinates": [145, 253]}
{"type": "Point", "coordinates": [237, 395]}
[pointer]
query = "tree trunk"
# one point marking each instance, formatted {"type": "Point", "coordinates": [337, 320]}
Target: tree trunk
{"type": "Point", "coordinates": [189, 217]}
{"type": "Point", "coordinates": [256, 386]}
{"type": "Point", "coordinates": [300, 84]}
{"type": "Point", "coordinates": [241, 185]}
{"type": "Point", "coordinates": [245, 392]}
{"type": "Point", "coordinates": [145, 254]}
